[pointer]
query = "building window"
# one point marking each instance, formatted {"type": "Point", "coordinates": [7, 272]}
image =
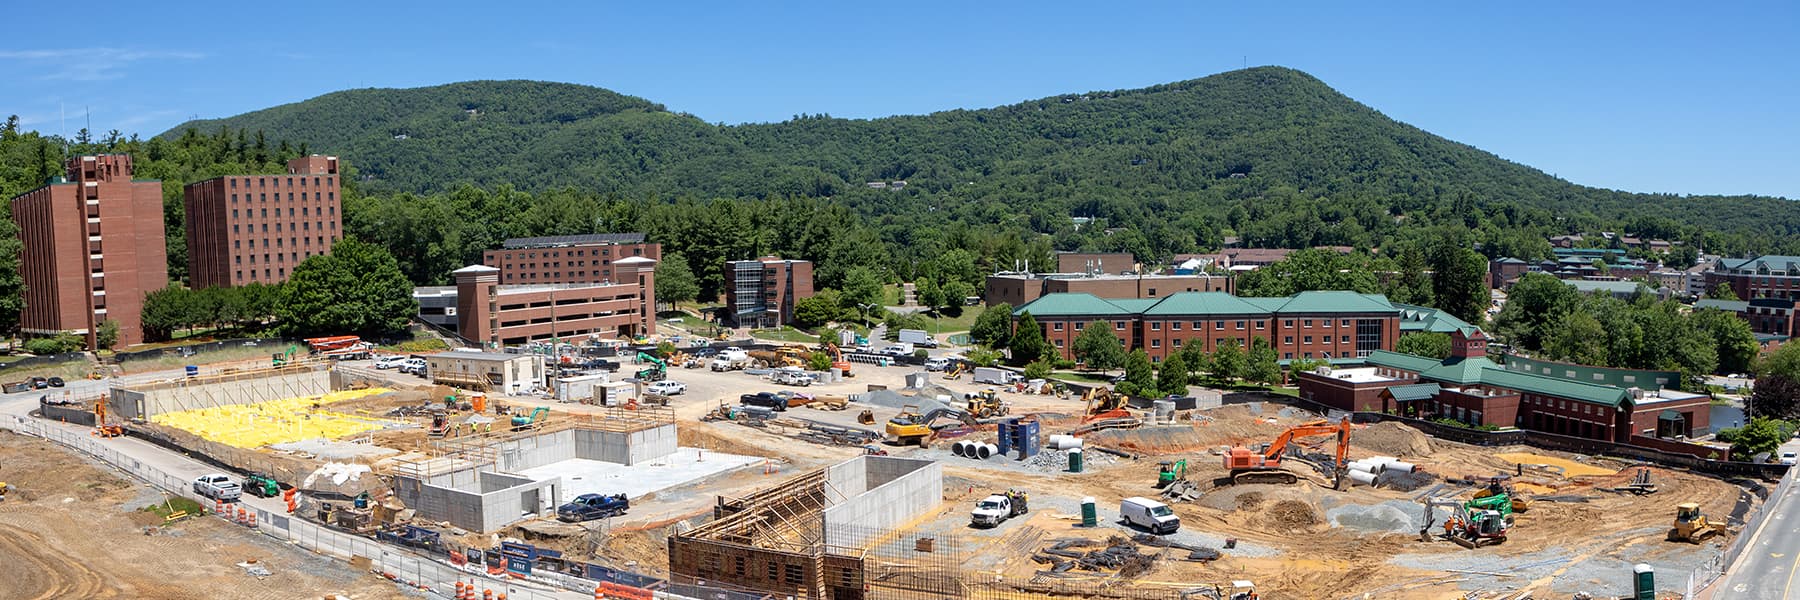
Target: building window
{"type": "Point", "coordinates": [1308, 340]}
{"type": "Point", "coordinates": [1306, 323]}
{"type": "Point", "coordinates": [1154, 343]}
{"type": "Point", "coordinates": [1344, 340]}
{"type": "Point", "coordinates": [1156, 325]}
{"type": "Point", "coordinates": [1056, 326]}
{"type": "Point", "coordinates": [1345, 323]}
{"type": "Point", "coordinates": [1240, 325]}
{"type": "Point", "coordinates": [1287, 322]}
{"type": "Point", "coordinates": [1218, 325]}
{"type": "Point", "coordinates": [1175, 342]}
{"type": "Point", "coordinates": [1199, 325]}
{"type": "Point", "coordinates": [1152, 292]}
{"type": "Point", "coordinates": [1287, 355]}
{"type": "Point", "coordinates": [1259, 324]}
{"type": "Point", "coordinates": [1174, 325]}
{"type": "Point", "coordinates": [1119, 325]}
{"type": "Point", "coordinates": [1078, 325]}
{"type": "Point", "coordinates": [1287, 339]}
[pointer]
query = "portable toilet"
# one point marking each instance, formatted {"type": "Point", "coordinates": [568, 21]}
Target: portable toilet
{"type": "Point", "coordinates": [1643, 582]}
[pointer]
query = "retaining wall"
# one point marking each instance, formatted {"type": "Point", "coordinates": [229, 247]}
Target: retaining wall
{"type": "Point", "coordinates": [479, 501]}
{"type": "Point", "coordinates": [145, 401]}
{"type": "Point", "coordinates": [881, 492]}
{"type": "Point", "coordinates": [625, 448]}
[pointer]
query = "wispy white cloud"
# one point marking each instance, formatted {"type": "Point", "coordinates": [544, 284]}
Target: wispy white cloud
{"type": "Point", "coordinates": [93, 64]}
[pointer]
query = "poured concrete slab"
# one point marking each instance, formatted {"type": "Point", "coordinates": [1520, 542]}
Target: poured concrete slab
{"type": "Point", "coordinates": [583, 476]}
{"type": "Point", "coordinates": [335, 449]}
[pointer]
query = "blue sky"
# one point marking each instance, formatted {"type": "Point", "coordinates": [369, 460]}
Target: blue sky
{"type": "Point", "coordinates": [1643, 96]}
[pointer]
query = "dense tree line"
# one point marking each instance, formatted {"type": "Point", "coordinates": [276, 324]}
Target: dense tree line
{"type": "Point", "coordinates": [1545, 316]}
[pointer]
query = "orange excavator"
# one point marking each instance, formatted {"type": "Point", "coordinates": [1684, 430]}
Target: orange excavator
{"type": "Point", "coordinates": [103, 428]}
{"type": "Point", "coordinates": [1263, 465]}
{"type": "Point", "coordinates": [837, 359]}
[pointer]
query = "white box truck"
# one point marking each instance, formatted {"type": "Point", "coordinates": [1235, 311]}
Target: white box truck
{"type": "Point", "coordinates": [1149, 514]}
{"type": "Point", "coordinates": [996, 376]}
{"type": "Point", "coordinates": [918, 337]}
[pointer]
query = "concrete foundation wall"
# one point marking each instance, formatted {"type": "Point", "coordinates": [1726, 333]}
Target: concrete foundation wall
{"type": "Point", "coordinates": [632, 448]}
{"type": "Point", "coordinates": [536, 451]}
{"type": "Point", "coordinates": [478, 501]}
{"type": "Point", "coordinates": [151, 400]}
{"type": "Point", "coordinates": [899, 491]}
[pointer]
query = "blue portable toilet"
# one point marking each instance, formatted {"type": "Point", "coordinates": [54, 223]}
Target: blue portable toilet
{"type": "Point", "coordinates": [1019, 434]}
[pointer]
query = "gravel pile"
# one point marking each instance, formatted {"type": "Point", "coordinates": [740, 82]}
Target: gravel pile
{"type": "Point", "coordinates": [1057, 461]}
{"type": "Point", "coordinates": [893, 399]}
{"type": "Point", "coordinates": [1394, 516]}
{"type": "Point", "coordinates": [1406, 482]}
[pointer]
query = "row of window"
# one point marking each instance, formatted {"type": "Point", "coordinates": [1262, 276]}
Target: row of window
{"type": "Point", "coordinates": [264, 197]}
{"type": "Point", "coordinates": [279, 257]}
{"type": "Point", "coordinates": [305, 226]}
{"type": "Point", "coordinates": [305, 211]}
{"type": "Point", "coordinates": [504, 255]}
{"type": "Point", "coordinates": [1220, 325]}
{"type": "Point", "coordinates": [605, 275]}
{"type": "Point", "coordinates": [262, 182]}
{"type": "Point", "coordinates": [509, 265]}
{"type": "Point", "coordinates": [281, 273]}
{"type": "Point", "coordinates": [1586, 409]}
{"type": "Point", "coordinates": [296, 242]}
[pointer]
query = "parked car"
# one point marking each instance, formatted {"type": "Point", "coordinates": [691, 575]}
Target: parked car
{"type": "Point", "coordinates": [217, 486]}
{"type": "Point", "coordinates": [56, 382]}
{"type": "Point", "coordinates": [415, 366]}
{"type": "Point", "coordinates": [790, 377]}
{"type": "Point", "coordinates": [587, 507]}
{"type": "Point", "coordinates": [390, 362]}
{"type": "Point", "coordinates": [38, 383]}
{"type": "Point", "coordinates": [1788, 458]}
{"type": "Point", "coordinates": [666, 388]}
{"type": "Point", "coordinates": [18, 386]}
{"type": "Point", "coordinates": [937, 364]}
{"type": "Point", "coordinates": [765, 400]}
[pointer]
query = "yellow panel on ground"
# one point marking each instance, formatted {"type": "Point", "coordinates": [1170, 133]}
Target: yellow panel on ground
{"type": "Point", "coordinates": [276, 421]}
{"type": "Point", "coordinates": [1570, 468]}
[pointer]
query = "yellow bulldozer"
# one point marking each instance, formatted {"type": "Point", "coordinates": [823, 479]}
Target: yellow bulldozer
{"type": "Point", "coordinates": [1691, 526]}
{"type": "Point", "coordinates": [987, 404]}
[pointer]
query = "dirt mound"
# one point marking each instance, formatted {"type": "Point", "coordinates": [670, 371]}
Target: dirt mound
{"type": "Point", "coordinates": [1392, 439]}
{"type": "Point", "coordinates": [1249, 500]}
{"type": "Point", "coordinates": [1289, 515]}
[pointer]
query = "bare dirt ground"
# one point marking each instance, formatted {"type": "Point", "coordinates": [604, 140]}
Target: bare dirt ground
{"type": "Point", "coordinates": [73, 530]}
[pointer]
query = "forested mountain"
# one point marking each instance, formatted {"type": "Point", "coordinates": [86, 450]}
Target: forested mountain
{"type": "Point", "coordinates": [1274, 135]}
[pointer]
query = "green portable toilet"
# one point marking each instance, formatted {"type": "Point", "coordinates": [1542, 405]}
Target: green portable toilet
{"type": "Point", "coordinates": [1075, 460]}
{"type": "Point", "coordinates": [1643, 582]}
{"type": "Point", "coordinates": [1090, 516]}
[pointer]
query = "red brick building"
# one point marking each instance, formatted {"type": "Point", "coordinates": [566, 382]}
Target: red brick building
{"type": "Point", "coordinates": [1019, 288]}
{"type": "Point", "coordinates": [1469, 387]}
{"type": "Point", "coordinates": [1317, 325]}
{"type": "Point", "coordinates": [762, 292]}
{"type": "Point", "coordinates": [495, 315]}
{"type": "Point", "coordinates": [1095, 262]}
{"type": "Point", "coordinates": [93, 247]}
{"type": "Point", "coordinates": [257, 228]}
{"type": "Point", "coordinates": [585, 258]}
{"type": "Point", "coordinates": [1767, 276]}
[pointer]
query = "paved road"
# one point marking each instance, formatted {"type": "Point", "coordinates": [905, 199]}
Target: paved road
{"type": "Point", "coordinates": [1766, 569]}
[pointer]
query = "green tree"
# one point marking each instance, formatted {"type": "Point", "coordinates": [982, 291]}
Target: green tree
{"type": "Point", "coordinates": [1579, 339]}
{"type": "Point", "coordinates": [1038, 369]}
{"type": "Point", "coordinates": [928, 292]}
{"type": "Point", "coordinates": [1534, 308]}
{"type": "Point", "coordinates": [818, 310]}
{"type": "Point", "coordinates": [862, 286]}
{"type": "Point", "coordinates": [818, 361]}
{"type": "Point", "coordinates": [993, 327]}
{"type": "Point", "coordinates": [1413, 286]}
{"type": "Point", "coordinates": [1733, 340]}
{"type": "Point", "coordinates": [1723, 291]}
{"type": "Point", "coordinates": [954, 293]}
{"type": "Point", "coordinates": [1761, 435]}
{"type": "Point", "coordinates": [1028, 342]}
{"type": "Point", "coordinates": [1172, 376]}
{"type": "Point", "coordinates": [1228, 362]}
{"type": "Point", "coordinates": [1302, 365]}
{"type": "Point", "coordinates": [666, 349]}
{"type": "Point", "coordinates": [106, 334]}
{"type": "Point", "coordinates": [1263, 364]}
{"type": "Point", "coordinates": [1196, 358]}
{"type": "Point", "coordinates": [1140, 376]}
{"type": "Point", "coordinates": [165, 311]}
{"type": "Point", "coordinates": [1458, 279]}
{"type": "Point", "coordinates": [1098, 348]}
{"type": "Point", "coordinates": [12, 284]}
{"type": "Point", "coordinates": [1777, 390]}
{"type": "Point", "coordinates": [675, 281]}
{"type": "Point", "coordinates": [357, 288]}
{"type": "Point", "coordinates": [1425, 343]}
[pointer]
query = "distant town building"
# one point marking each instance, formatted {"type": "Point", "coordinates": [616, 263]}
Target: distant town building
{"type": "Point", "coordinates": [257, 228]}
{"type": "Point", "coordinates": [587, 258]}
{"type": "Point", "coordinates": [1560, 398]}
{"type": "Point", "coordinates": [1768, 276]}
{"type": "Point", "coordinates": [93, 246]}
{"type": "Point", "coordinates": [1320, 325]}
{"type": "Point", "coordinates": [1019, 288]}
{"type": "Point", "coordinates": [762, 292]}
{"type": "Point", "coordinates": [1502, 272]}
{"type": "Point", "coordinates": [494, 315]}
{"type": "Point", "coordinates": [1771, 319]}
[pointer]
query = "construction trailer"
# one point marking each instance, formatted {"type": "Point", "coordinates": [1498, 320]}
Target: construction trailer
{"type": "Point", "coordinates": [813, 536]}
{"type": "Point", "coordinates": [487, 371]}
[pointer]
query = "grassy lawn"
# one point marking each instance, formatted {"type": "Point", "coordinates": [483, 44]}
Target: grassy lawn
{"type": "Point", "coordinates": [68, 370]}
{"type": "Point", "coordinates": [229, 354]}
{"type": "Point", "coordinates": [786, 334]}
{"type": "Point", "coordinates": [944, 323]}
{"type": "Point", "coordinates": [418, 345]}
{"type": "Point", "coordinates": [1083, 377]}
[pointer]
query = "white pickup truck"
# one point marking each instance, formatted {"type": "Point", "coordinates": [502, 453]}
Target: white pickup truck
{"type": "Point", "coordinates": [217, 486]}
{"type": "Point", "coordinates": [997, 508]}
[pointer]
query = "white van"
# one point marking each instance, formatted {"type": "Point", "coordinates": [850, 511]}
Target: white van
{"type": "Point", "coordinates": [1149, 514]}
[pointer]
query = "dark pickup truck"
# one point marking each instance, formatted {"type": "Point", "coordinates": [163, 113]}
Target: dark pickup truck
{"type": "Point", "coordinates": [587, 507]}
{"type": "Point", "coordinates": [764, 399]}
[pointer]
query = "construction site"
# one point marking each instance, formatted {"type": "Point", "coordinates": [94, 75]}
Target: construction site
{"type": "Point", "coordinates": [898, 483]}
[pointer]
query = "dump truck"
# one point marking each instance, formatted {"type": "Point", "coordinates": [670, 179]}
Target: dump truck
{"type": "Point", "coordinates": [997, 508]}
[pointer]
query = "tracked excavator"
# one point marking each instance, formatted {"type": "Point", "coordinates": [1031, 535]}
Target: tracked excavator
{"type": "Point", "coordinates": [1103, 404]}
{"type": "Point", "coordinates": [1263, 464]}
{"type": "Point", "coordinates": [909, 427]}
{"type": "Point", "coordinates": [1467, 525]}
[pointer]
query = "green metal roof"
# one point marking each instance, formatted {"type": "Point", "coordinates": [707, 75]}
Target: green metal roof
{"type": "Point", "coordinates": [1610, 287]}
{"type": "Point", "coordinates": [1623, 378]}
{"type": "Point", "coordinates": [1669, 415]}
{"type": "Point", "coordinates": [1204, 303]}
{"type": "Point", "coordinates": [1553, 386]}
{"type": "Point", "coordinates": [1070, 305]}
{"type": "Point", "coordinates": [1421, 318]}
{"type": "Point", "coordinates": [1267, 303]}
{"type": "Point", "coordinates": [1734, 306]}
{"type": "Point", "coordinates": [1335, 302]}
{"type": "Point", "coordinates": [1409, 393]}
{"type": "Point", "coordinates": [1773, 262]}
{"type": "Point", "coordinates": [1134, 305]}
{"type": "Point", "coordinates": [1396, 360]}
{"type": "Point", "coordinates": [1465, 371]}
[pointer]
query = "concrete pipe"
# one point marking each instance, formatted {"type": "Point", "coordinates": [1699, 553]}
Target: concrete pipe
{"type": "Point", "coordinates": [986, 451]}
{"type": "Point", "coordinates": [1399, 467]}
{"type": "Point", "coordinates": [1380, 460]}
{"type": "Point", "coordinates": [957, 448]}
{"type": "Point", "coordinates": [1362, 477]}
{"type": "Point", "coordinates": [1362, 465]}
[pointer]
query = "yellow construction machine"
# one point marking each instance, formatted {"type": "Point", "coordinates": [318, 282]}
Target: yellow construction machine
{"type": "Point", "coordinates": [1102, 403]}
{"type": "Point", "coordinates": [909, 427]}
{"type": "Point", "coordinates": [1691, 526]}
{"type": "Point", "coordinates": [987, 404]}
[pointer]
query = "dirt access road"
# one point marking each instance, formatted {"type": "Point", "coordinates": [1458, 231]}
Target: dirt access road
{"type": "Point", "coordinates": [71, 529]}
